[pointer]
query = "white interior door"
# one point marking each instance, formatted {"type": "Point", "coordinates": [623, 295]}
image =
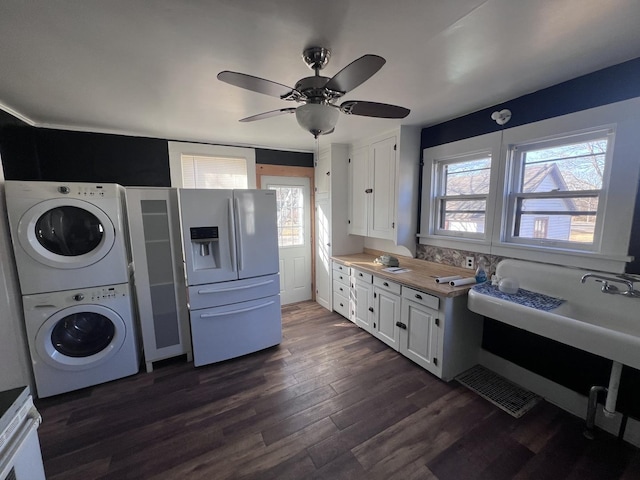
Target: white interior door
{"type": "Point", "coordinates": [294, 236]}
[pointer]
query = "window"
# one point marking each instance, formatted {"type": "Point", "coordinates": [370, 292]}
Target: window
{"type": "Point", "coordinates": [555, 190]}
{"type": "Point", "coordinates": [213, 172]}
{"type": "Point", "coordinates": [290, 200]}
{"type": "Point", "coordinates": [198, 165]}
{"type": "Point", "coordinates": [462, 187]}
{"type": "Point", "coordinates": [561, 190]}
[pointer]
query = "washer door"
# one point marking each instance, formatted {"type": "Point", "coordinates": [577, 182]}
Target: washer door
{"type": "Point", "coordinates": [80, 337]}
{"type": "Point", "coordinates": [66, 233]}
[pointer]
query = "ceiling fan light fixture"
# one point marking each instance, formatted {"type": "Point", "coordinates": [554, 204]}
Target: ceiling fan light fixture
{"type": "Point", "coordinates": [317, 118]}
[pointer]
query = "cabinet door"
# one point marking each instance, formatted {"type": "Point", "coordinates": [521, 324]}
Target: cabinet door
{"type": "Point", "coordinates": [419, 336]}
{"type": "Point", "coordinates": [364, 305]}
{"type": "Point", "coordinates": [358, 186]}
{"type": "Point", "coordinates": [386, 314]}
{"type": "Point", "coordinates": [322, 172]}
{"type": "Point", "coordinates": [323, 252]}
{"type": "Point", "coordinates": [382, 171]}
{"type": "Point", "coordinates": [159, 275]}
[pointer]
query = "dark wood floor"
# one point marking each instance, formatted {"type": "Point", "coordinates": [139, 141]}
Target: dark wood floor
{"type": "Point", "coordinates": [330, 402]}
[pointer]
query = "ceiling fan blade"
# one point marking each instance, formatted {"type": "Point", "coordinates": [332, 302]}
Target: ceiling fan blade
{"type": "Point", "coordinates": [355, 73]}
{"type": "Point", "coordinates": [257, 84]}
{"type": "Point", "coordinates": [272, 113]}
{"type": "Point", "coordinates": [373, 109]}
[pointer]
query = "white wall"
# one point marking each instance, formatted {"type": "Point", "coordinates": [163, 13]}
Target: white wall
{"type": "Point", "coordinates": [15, 366]}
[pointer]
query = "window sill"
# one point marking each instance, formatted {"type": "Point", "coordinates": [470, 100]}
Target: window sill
{"type": "Point", "coordinates": [570, 258]}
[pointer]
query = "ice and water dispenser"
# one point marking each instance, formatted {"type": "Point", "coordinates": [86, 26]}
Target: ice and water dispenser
{"type": "Point", "coordinates": [205, 247]}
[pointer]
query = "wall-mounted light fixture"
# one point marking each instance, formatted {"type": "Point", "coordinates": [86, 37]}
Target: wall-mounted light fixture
{"type": "Point", "coordinates": [501, 117]}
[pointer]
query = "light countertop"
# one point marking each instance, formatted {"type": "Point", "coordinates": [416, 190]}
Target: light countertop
{"type": "Point", "coordinates": [421, 276]}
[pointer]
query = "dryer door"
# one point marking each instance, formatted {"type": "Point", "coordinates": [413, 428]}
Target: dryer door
{"type": "Point", "coordinates": [80, 337]}
{"type": "Point", "coordinates": [66, 233]}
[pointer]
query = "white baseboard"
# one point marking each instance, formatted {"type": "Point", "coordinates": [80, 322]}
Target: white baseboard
{"type": "Point", "coordinates": [558, 395]}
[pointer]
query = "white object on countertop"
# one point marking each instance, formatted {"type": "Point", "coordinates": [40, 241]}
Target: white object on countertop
{"type": "Point", "coordinates": [462, 281]}
{"type": "Point", "coordinates": [447, 279]}
{"type": "Point", "coordinates": [508, 285]}
{"type": "Point", "coordinates": [396, 270]}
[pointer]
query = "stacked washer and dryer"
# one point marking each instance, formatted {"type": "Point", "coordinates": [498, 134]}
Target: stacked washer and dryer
{"type": "Point", "coordinates": [71, 252]}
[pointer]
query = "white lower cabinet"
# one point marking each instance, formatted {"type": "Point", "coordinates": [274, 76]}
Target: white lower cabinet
{"type": "Point", "coordinates": [386, 311]}
{"type": "Point", "coordinates": [341, 289]}
{"type": "Point", "coordinates": [420, 329]}
{"type": "Point", "coordinates": [363, 297]}
{"type": "Point", "coordinates": [438, 333]}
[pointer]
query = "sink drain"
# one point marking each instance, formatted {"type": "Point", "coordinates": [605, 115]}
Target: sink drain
{"type": "Point", "coordinates": [504, 394]}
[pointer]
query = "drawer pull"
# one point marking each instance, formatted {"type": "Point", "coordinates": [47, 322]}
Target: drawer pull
{"type": "Point", "coordinates": [371, 309]}
{"type": "Point", "coordinates": [361, 275]}
{"type": "Point", "coordinates": [401, 325]}
{"type": "Point", "coordinates": [385, 284]}
{"type": "Point", "coordinates": [341, 289]}
{"type": "Point", "coordinates": [341, 305]}
{"type": "Point", "coordinates": [418, 296]}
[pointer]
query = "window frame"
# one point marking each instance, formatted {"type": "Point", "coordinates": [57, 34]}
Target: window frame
{"type": "Point", "coordinates": [618, 198]}
{"type": "Point", "coordinates": [514, 187]}
{"type": "Point", "coordinates": [475, 146]}
{"type": "Point", "coordinates": [178, 149]}
{"type": "Point", "coordinates": [440, 199]}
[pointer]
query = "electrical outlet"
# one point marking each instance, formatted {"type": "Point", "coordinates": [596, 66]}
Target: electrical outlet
{"type": "Point", "coordinates": [470, 262]}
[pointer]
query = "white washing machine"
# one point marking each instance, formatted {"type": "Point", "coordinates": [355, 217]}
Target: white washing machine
{"type": "Point", "coordinates": [67, 235]}
{"type": "Point", "coordinates": [82, 337]}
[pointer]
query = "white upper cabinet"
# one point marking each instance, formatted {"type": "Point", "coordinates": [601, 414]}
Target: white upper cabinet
{"type": "Point", "coordinates": [383, 187]}
{"type": "Point", "coordinates": [358, 184]}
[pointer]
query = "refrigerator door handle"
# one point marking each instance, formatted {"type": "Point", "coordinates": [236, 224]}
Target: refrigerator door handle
{"type": "Point", "coordinates": [239, 236]}
{"type": "Point", "coordinates": [233, 289]}
{"type": "Point", "coordinates": [232, 235]}
{"type": "Point", "coordinates": [232, 312]}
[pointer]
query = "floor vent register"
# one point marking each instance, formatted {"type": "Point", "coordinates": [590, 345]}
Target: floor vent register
{"type": "Point", "coordinates": [506, 395]}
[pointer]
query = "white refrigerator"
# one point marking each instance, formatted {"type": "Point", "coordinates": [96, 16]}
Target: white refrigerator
{"type": "Point", "coordinates": [231, 263]}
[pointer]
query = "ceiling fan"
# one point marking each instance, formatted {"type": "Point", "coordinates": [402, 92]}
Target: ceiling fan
{"type": "Point", "coordinates": [319, 113]}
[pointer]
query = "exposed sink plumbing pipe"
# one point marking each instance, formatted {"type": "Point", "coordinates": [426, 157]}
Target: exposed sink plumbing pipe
{"type": "Point", "coordinates": [612, 391]}
{"type": "Point", "coordinates": [609, 409]}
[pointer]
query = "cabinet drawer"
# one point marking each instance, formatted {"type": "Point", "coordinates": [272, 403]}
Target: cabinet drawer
{"type": "Point", "coordinates": [341, 277]}
{"type": "Point", "coordinates": [340, 288]}
{"type": "Point", "coordinates": [362, 276]}
{"type": "Point", "coordinates": [387, 285]}
{"type": "Point", "coordinates": [422, 298]}
{"type": "Point", "coordinates": [341, 268]}
{"type": "Point", "coordinates": [341, 304]}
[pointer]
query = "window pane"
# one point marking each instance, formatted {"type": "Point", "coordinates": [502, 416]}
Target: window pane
{"type": "Point", "coordinates": [290, 201]}
{"type": "Point", "coordinates": [214, 172]}
{"type": "Point", "coordinates": [467, 178]}
{"type": "Point", "coordinates": [463, 216]}
{"type": "Point", "coordinates": [567, 219]}
{"type": "Point", "coordinates": [572, 167]}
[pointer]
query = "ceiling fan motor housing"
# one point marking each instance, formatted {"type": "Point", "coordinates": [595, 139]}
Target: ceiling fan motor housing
{"type": "Point", "coordinates": [316, 58]}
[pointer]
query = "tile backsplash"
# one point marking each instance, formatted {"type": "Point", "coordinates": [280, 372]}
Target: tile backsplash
{"type": "Point", "coordinates": [456, 258]}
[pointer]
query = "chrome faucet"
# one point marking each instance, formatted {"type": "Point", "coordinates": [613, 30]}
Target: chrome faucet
{"type": "Point", "coordinates": [624, 278]}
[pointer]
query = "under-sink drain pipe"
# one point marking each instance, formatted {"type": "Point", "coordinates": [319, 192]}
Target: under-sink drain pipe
{"type": "Point", "coordinates": [610, 403]}
{"type": "Point", "coordinates": [612, 391]}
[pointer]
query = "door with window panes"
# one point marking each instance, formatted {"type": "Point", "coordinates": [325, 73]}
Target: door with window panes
{"type": "Point", "coordinates": [294, 236]}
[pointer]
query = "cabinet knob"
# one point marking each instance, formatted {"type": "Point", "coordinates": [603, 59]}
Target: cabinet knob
{"type": "Point", "coordinates": [371, 309]}
{"type": "Point", "coordinates": [419, 297]}
{"type": "Point", "coordinates": [369, 190]}
{"type": "Point", "coordinates": [385, 284]}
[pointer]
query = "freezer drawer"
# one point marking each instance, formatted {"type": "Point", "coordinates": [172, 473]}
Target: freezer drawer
{"type": "Point", "coordinates": [230, 331]}
{"type": "Point", "coordinates": [225, 293]}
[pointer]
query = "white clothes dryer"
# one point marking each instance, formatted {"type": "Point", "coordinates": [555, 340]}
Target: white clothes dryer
{"type": "Point", "coordinates": [79, 338]}
{"type": "Point", "coordinates": [67, 235]}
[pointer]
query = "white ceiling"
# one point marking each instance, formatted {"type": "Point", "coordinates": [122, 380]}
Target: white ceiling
{"type": "Point", "coordinates": [148, 68]}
